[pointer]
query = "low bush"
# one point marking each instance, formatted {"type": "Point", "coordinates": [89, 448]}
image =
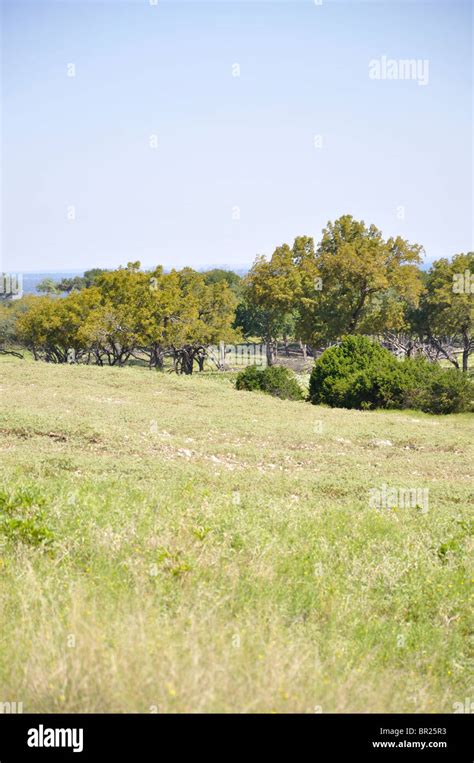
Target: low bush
{"type": "Point", "coordinates": [358, 373]}
{"type": "Point", "coordinates": [447, 391]}
{"type": "Point", "coordinates": [275, 380]}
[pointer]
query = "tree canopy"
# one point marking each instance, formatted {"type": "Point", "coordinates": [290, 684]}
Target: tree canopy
{"type": "Point", "coordinates": [354, 281]}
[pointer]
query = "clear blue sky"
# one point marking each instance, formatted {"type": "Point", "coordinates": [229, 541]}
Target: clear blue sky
{"type": "Point", "coordinates": [224, 141]}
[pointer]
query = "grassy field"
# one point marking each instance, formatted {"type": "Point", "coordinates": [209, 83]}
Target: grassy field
{"type": "Point", "coordinates": [170, 544]}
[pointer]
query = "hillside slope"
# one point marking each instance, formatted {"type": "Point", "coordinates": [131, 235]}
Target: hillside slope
{"type": "Point", "coordinates": [214, 550]}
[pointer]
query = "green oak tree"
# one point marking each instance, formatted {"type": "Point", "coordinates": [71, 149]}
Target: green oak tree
{"type": "Point", "coordinates": [445, 317]}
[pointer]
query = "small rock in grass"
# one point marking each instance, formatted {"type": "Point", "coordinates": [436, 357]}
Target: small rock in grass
{"type": "Point", "coordinates": [381, 443]}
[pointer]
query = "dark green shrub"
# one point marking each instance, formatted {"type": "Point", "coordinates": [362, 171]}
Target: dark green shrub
{"type": "Point", "coordinates": [448, 391]}
{"type": "Point", "coordinates": [249, 379]}
{"type": "Point", "coordinates": [275, 380]}
{"type": "Point", "coordinates": [361, 374]}
{"type": "Point", "coordinates": [354, 374]}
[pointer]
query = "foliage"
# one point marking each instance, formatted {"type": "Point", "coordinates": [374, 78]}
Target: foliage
{"type": "Point", "coordinates": [352, 374]}
{"type": "Point", "coordinates": [52, 328]}
{"type": "Point", "coordinates": [361, 374]}
{"type": "Point", "coordinates": [76, 283]}
{"type": "Point", "coordinates": [446, 311]}
{"type": "Point", "coordinates": [217, 275]}
{"type": "Point", "coordinates": [444, 390]}
{"type": "Point", "coordinates": [353, 282]}
{"type": "Point", "coordinates": [270, 288]}
{"type": "Point", "coordinates": [274, 380]}
{"type": "Point", "coordinates": [367, 283]}
{"type": "Point", "coordinates": [128, 311]}
{"type": "Point", "coordinates": [9, 313]}
{"type": "Point", "coordinates": [48, 286]}
{"type": "Point", "coordinates": [22, 517]}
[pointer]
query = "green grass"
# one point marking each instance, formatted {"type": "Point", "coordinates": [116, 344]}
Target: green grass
{"type": "Point", "coordinates": [171, 544]}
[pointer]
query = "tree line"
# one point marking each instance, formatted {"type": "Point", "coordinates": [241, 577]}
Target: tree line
{"type": "Point", "coordinates": [352, 282]}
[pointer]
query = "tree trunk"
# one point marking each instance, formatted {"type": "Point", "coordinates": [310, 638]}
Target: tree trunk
{"type": "Point", "coordinates": [358, 309]}
{"type": "Point", "coordinates": [443, 351]}
{"type": "Point", "coordinates": [188, 364]}
{"type": "Point", "coordinates": [156, 357]}
{"type": "Point", "coordinates": [465, 352]}
{"type": "Point", "coordinates": [269, 350]}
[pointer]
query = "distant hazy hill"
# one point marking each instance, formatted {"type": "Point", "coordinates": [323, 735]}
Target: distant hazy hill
{"type": "Point", "coordinates": [31, 280]}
